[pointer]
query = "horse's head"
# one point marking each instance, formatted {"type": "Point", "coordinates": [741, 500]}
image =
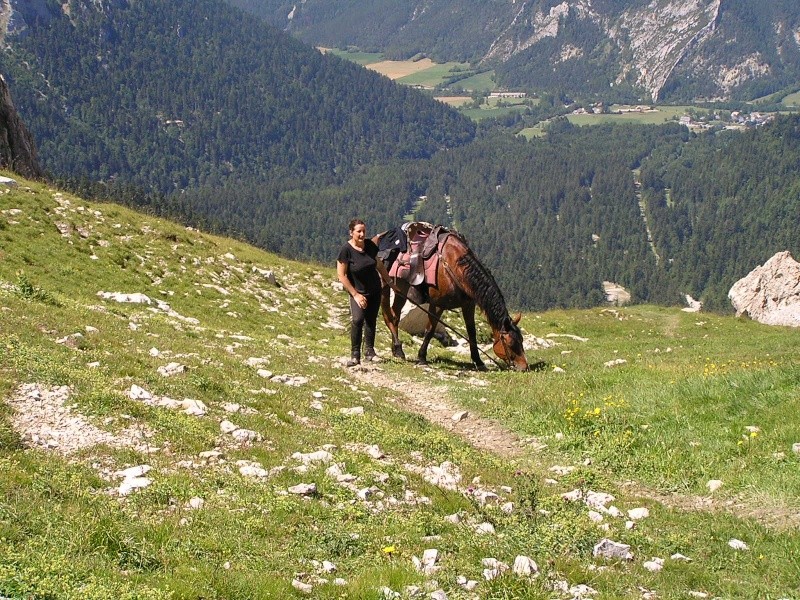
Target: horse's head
{"type": "Point", "coordinates": [508, 344]}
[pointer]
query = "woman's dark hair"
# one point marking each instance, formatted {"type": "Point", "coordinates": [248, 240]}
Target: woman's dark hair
{"type": "Point", "coordinates": [355, 222]}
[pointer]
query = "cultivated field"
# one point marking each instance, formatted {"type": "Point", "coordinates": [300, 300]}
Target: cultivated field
{"type": "Point", "coordinates": [176, 423]}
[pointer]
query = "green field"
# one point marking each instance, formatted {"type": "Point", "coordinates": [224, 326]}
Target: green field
{"type": "Point", "coordinates": [433, 76]}
{"type": "Point", "coordinates": [662, 114]}
{"type": "Point", "coordinates": [792, 100]}
{"type": "Point", "coordinates": [496, 107]}
{"type": "Point", "coordinates": [482, 82]}
{"type": "Point", "coordinates": [646, 405]}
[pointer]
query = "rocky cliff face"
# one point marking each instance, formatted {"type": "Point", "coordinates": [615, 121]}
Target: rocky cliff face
{"type": "Point", "coordinates": [770, 293]}
{"type": "Point", "coordinates": [686, 49]}
{"type": "Point", "coordinates": [17, 149]}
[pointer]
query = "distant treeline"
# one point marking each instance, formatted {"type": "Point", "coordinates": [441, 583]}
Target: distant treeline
{"type": "Point", "coordinates": [188, 110]}
{"type": "Point", "coordinates": [555, 217]}
{"type": "Point", "coordinates": [170, 95]}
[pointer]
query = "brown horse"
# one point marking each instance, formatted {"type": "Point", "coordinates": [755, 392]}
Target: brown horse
{"type": "Point", "coordinates": [461, 282]}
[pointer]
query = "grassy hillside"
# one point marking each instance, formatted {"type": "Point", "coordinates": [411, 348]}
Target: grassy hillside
{"type": "Point", "coordinates": [689, 398]}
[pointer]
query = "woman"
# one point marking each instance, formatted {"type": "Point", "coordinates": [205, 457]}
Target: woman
{"type": "Point", "coordinates": [360, 272]}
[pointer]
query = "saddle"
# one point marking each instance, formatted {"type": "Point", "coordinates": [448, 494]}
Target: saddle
{"type": "Point", "coordinates": [419, 262]}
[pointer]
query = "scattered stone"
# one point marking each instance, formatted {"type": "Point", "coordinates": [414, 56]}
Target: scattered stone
{"type": "Point", "coordinates": [455, 518]}
{"type": "Point", "coordinates": [438, 595]}
{"type": "Point", "coordinates": [595, 516]}
{"type": "Point", "coordinates": [484, 529]}
{"type": "Point", "coordinates": [171, 369]}
{"type": "Point", "coordinates": [680, 557]}
{"type": "Point", "coordinates": [460, 416]}
{"type": "Point", "coordinates": [637, 514]}
{"type": "Point", "coordinates": [738, 544]}
{"type": "Point", "coordinates": [654, 565]}
{"type": "Point", "coordinates": [796, 448]}
{"type": "Point", "coordinates": [493, 568]}
{"type": "Point", "coordinates": [615, 363]}
{"type": "Point", "coordinates": [610, 549]}
{"type": "Point", "coordinates": [226, 426]}
{"type": "Point", "coordinates": [713, 485]}
{"type": "Point", "coordinates": [303, 489]}
{"type": "Point", "coordinates": [320, 456]}
{"type": "Point", "coordinates": [374, 452]}
{"type": "Point", "coordinates": [305, 588]}
{"type": "Point", "coordinates": [525, 566]}
{"type": "Point", "coordinates": [196, 503]}
{"type": "Point", "coordinates": [352, 412]}
{"type": "Point", "coordinates": [264, 373]}
{"type": "Point", "coordinates": [561, 470]}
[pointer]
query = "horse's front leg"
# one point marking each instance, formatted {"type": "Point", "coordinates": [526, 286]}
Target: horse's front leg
{"type": "Point", "coordinates": [391, 316]}
{"type": "Point", "coordinates": [468, 310]}
{"type": "Point", "coordinates": [434, 314]}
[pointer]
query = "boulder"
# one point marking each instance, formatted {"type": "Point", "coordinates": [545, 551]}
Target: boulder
{"type": "Point", "coordinates": [770, 294]}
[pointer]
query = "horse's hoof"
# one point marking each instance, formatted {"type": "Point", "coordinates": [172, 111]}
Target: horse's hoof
{"type": "Point", "coordinates": [398, 353]}
{"type": "Point", "coordinates": [481, 367]}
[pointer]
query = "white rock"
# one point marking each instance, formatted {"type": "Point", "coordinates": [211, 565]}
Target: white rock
{"type": "Point", "coordinates": [738, 544]}
{"type": "Point", "coordinates": [253, 471]}
{"type": "Point", "coordinates": [484, 529]}
{"type": "Point", "coordinates": [328, 566]}
{"type": "Point", "coordinates": [430, 556]}
{"type": "Point", "coordinates": [637, 514]}
{"type": "Point", "coordinates": [796, 448]}
{"type": "Point", "coordinates": [320, 456]}
{"type": "Point", "coordinates": [194, 407]}
{"type": "Point", "coordinates": [355, 411]}
{"type": "Point", "coordinates": [525, 566]}
{"type": "Point", "coordinates": [302, 587]}
{"type": "Point", "coordinates": [136, 471]}
{"type": "Point", "coordinates": [246, 435]}
{"type": "Point", "coordinates": [226, 426]}
{"type": "Point", "coordinates": [264, 373]}
{"type": "Point", "coordinates": [680, 557]}
{"type": "Point", "coordinates": [139, 393]}
{"type": "Point", "coordinates": [374, 452]}
{"type": "Point", "coordinates": [196, 503]}
{"type": "Point", "coordinates": [615, 363]}
{"type": "Point", "coordinates": [455, 518]}
{"type": "Point", "coordinates": [303, 489]}
{"type": "Point", "coordinates": [460, 416]}
{"type": "Point", "coordinates": [133, 483]}
{"type": "Point", "coordinates": [595, 516]}
{"type": "Point", "coordinates": [713, 485]}
{"type": "Point", "coordinates": [171, 369]}
{"type": "Point", "coordinates": [654, 565]}
{"type": "Point", "coordinates": [607, 548]}
{"type": "Point", "coordinates": [438, 595]}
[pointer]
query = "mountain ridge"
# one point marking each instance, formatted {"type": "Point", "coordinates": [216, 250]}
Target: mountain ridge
{"type": "Point", "coordinates": [665, 50]}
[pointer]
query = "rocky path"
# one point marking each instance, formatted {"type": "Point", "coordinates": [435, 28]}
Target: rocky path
{"type": "Point", "coordinates": [432, 401]}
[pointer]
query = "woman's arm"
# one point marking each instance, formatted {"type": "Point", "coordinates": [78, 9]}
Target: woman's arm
{"type": "Point", "coordinates": [341, 272]}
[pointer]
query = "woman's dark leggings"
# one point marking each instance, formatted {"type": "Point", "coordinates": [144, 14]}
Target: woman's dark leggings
{"type": "Point", "coordinates": [363, 321]}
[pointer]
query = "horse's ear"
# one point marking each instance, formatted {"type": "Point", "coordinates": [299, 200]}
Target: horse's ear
{"type": "Point", "coordinates": [516, 319]}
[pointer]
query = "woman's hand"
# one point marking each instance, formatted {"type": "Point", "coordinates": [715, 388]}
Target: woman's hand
{"type": "Point", "coordinates": [360, 299]}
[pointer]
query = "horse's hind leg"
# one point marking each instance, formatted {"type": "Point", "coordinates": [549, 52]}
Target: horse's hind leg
{"type": "Point", "coordinates": [391, 316]}
{"type": "Point", "coordinates": [468, 310]}
{"type": "Point", "coordinates": [434, 314]}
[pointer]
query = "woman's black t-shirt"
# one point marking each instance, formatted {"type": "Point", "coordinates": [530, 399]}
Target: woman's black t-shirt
{"type": "Point", "coordinates": [361, 270]}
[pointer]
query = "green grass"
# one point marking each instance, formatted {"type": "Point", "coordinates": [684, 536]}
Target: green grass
{"type": "Point", "coordinates": [434, 75]}
{"type": "Point", "coordinates": [482, 82]}
{"type": "Point", "coordinates": [791, 100]}
{"type": "Point", "coordinates": [651, 431]}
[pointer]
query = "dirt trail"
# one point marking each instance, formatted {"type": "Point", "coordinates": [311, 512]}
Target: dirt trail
{"type": "Point", "coordinates": [432, 402]}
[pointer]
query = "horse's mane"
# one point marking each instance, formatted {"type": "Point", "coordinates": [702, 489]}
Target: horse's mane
{"type": "Point", "coordinates": [484, 288]}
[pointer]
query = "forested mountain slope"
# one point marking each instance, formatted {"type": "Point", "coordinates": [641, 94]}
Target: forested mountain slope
{"type": "Point", "coordinates": [168, 95]}
{"type": "Point", "coordinates": [663, 49]}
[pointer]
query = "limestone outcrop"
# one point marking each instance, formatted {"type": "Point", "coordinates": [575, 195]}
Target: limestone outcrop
{"type": "Point", "coordinates": [770, 294]}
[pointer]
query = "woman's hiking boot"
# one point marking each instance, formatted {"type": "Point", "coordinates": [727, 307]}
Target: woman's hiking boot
{"type": "Point", "coordinates": [355, 360]}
